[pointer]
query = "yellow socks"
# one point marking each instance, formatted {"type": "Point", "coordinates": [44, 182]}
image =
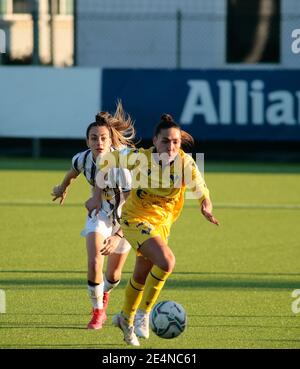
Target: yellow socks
{"type": "Point", "coordinates": [138, 297]}
{"type": "Point", "coordinates": [154, 283]}
{"type": "Point", "coordinates": [133, 297]}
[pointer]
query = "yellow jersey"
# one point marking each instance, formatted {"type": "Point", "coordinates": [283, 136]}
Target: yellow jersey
{"type": "Point", "coordinates": [157, 191]}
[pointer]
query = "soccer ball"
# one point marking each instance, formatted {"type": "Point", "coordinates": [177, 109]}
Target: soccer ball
{"type": "Point", "coordinates": [168, 319]}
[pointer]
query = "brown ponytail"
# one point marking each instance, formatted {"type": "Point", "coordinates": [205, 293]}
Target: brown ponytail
{"type": "Point", "coordinates": [167, 118]}
{"type": "Point", "coordinates": [186, 139]}
{"type": "Point", "coordinates": [166, 122]}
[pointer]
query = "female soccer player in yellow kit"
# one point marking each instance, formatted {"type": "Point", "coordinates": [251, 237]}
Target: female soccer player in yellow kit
{"type": "Point", "coordinates": [162, 174]}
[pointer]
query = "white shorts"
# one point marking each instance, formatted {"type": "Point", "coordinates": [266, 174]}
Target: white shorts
{"type": "Point", "coordinates": [102, 223]}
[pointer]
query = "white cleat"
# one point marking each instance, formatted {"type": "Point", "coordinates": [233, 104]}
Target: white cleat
{"type": "Point", "coordinates": [141, 324]}
{"type": "Point", "coordinates": [129, 336]}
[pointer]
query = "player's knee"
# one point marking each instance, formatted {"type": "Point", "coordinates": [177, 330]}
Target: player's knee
{"type": "Point", "coordinates": [172, 263]}
{"type": "Point", "coordinates": [114, 275]}
{"type": "Point", "coordinates": [169, 263]}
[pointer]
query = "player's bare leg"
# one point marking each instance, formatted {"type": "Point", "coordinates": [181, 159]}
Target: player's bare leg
{"type": "Point", "coordinates": [94, 242]}
{"type": "Point", "coordinates": [115, 263]}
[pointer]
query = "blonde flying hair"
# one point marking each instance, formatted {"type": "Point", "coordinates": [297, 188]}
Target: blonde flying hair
{"type": "Point", "coordinates": [120, 126]}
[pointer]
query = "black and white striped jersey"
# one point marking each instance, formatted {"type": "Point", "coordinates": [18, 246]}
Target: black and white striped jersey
{"type": "Point", "coordinates": [83, 162]}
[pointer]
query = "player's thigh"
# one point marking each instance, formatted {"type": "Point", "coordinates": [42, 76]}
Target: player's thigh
{"type": "Point", "coordinates": [94, 243]}
{"type": "Point", "coordinates": [123, 245]}
{"type": "Point", "coordinates": [115, 263]}
{"type": "Point", "coordinates": [96, 231]}
{"type": "Point", "coordinates": [158, 252]}
{"type": "Point", "coordinates": [138, 232]}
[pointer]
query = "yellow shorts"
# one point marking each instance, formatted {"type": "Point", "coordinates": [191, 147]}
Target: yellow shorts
{"type": "Point", "coordinates": [137, 232]}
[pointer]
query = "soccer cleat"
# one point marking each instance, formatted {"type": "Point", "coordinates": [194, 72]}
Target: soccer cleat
{"type": "Point", "coordinates": [129, 336]}
{"type": "Point", "coordinates": [141, 324]}
{"type": "Point", "coordinates": [98, 319]}
{"type": "Point", "coordinates": [105, 300]}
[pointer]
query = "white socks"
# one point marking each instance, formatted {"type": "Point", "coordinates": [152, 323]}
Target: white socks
{"type": "Point", "coordinates": [96, 291]}
{"type": "Point", "coordinates": [96, 294]}
{"type": "Point", "coordinates": [108, 285]}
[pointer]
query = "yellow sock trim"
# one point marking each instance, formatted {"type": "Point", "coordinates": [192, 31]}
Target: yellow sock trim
{"type": "Point", "coordinates": [154, 284]}
{"type": "Point", "coordinates": [133, 296]}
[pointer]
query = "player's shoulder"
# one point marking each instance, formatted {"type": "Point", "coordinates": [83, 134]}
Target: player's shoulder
{"type": "Point", "coordinates": [79, 160]}
{"type": "Point", "coordinates": [147, 152]}
{"type": "Point", "coordinates": [82, 154]}
{"type": "Point", "coordinates": [186, 157]}
{"type": "Point", "coordinates": [126, 150]}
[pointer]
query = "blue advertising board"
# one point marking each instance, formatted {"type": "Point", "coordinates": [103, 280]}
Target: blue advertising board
{"type": "Point", "coordinates": [210, 104]}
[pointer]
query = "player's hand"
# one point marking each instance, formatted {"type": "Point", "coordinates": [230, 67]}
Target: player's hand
{"type": "Point", "coordinates": [206, 210]}
{"type": "Point", "coordinates": [59, 192]}
{"type": "Point", "coordinates": [109, 245]}
{"type": "Point", "coordinates": [93, 206]}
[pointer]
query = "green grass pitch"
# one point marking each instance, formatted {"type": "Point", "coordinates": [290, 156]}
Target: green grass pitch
{"type": "Point", "coordinates": [235, 281]}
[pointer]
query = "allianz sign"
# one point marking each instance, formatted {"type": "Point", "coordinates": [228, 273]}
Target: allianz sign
{"type": "Point", "coordinates": [243, 102]}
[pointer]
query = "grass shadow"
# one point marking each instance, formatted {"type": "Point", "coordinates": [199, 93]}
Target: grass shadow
{"type": "Point", "coordinates": [172, 283]}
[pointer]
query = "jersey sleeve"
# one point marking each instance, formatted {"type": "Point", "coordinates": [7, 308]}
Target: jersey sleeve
{"type": "Point", "coordinates": [77, 162]}
{"type": "Point", "coordinates": [194, 179]}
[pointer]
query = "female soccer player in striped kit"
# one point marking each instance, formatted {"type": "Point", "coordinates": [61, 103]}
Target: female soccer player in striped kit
{"type": "Point", "coordinates": [107, 133]}
{"type": "Point", "coordinates": [148, 215]}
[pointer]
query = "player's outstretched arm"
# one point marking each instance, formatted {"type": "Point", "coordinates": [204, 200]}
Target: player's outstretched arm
{"type": "Point", "coordinates": [206, 210]}
{"type": "Point", "coordinates": [60, 191]}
